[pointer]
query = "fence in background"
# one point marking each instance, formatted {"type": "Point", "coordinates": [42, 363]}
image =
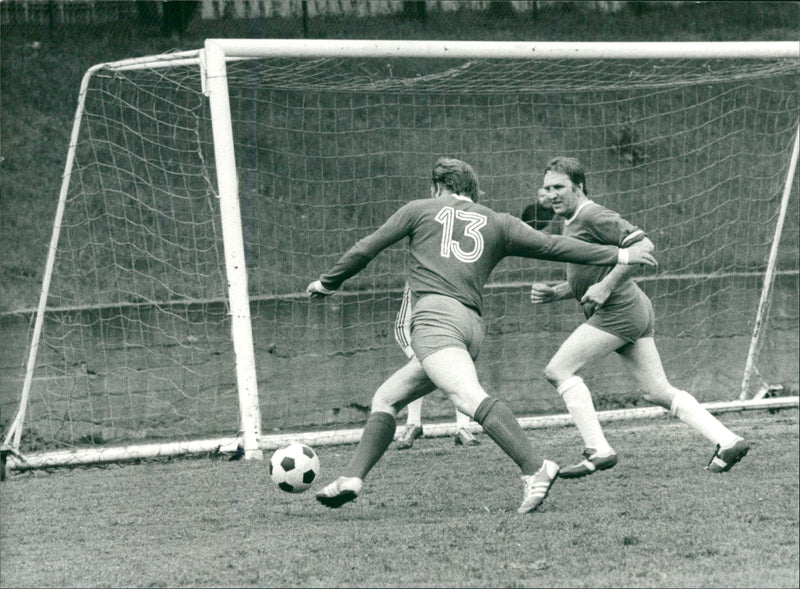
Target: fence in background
{"type": "Point", "coordinates": [58, 12]}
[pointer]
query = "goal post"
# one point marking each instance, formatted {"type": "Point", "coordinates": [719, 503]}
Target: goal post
{"type": "Point", "coordinates": [235, 263]}
{"type": "Point", "coordinates": [204, 189]}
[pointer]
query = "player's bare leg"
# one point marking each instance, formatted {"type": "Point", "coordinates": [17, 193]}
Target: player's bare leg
{"type": "Point", "coordinates": [406, 384]}
{"type": "Point", "coordinates": [644, 362]}
{"type": "Point", "coordinates": [453, 372]}
{"type": "Point", "coordinates": [584, 346]}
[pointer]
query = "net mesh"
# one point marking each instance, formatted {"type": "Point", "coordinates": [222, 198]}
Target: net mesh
{"type": "Point", "coordinates": [137, 338]}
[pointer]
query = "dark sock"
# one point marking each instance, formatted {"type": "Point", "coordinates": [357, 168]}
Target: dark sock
{"type": "Point", "coordinates": [503, 428]}
{"type": "Point", "coordinates": [378, 434]}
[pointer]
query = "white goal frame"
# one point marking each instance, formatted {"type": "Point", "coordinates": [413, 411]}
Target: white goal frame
{"type": "Point", "coordinates": [212, 60]}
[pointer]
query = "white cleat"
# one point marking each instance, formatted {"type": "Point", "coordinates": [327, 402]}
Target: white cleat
{"type": "Point", "coordinates": [464, 438]}
{"type": "Point", "coordinates": [342, 490]}
{"type": "Point", "coordinates": [537, 486]}
{"type": "Point", "coordinates": [406, 441]}
{"type": "Point", "coordinates": [592, 462]}
{"type": "Point", "coordinates": [725, 458]}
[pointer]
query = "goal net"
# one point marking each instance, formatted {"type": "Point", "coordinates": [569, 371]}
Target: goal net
{"type": "Point", "coordinates": [138, 339]}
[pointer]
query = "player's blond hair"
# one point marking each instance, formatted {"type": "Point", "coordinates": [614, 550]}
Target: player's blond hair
{"type": "Point", "coordinates": [458, 176]}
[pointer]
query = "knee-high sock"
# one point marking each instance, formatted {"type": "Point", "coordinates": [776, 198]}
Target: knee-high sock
{"type": "Point", "coordinates": [686, 408]}
{"type": "Point", "coordinates": [378, 434]}
{"type": "Point", "coordinates": [578, 400]}
{"type": "Point", "coordinates": [462, 420]}
{"type": "Point", "coordinates": [503, 428]}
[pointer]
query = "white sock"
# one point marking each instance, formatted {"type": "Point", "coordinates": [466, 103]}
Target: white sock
{"type": "Point", "coordinates": [462, 421]}
{"type": "Point", "coordinates": [686, 408]}
{"type": "Point", "coordinates": [578, 400]}
{"type": "Point", "coordinates": [414, 412]}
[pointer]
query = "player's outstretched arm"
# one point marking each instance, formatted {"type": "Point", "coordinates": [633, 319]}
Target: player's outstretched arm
{"type": "Point", "coordinates": [530, 243]}
{"type": "Point", "coordinates": [640, 252]}
{"type": "Point", "coordinates": [357, 257]}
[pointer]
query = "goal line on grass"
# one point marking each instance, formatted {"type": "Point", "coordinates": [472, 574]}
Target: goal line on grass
{"type": "Point", "coordinates": [231, 445]}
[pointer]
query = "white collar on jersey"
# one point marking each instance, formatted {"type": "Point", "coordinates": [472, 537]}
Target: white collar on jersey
{"type": "Point", "coordinates": [461, 197]}
{"type": "Point", "coordinates": [578, 210]}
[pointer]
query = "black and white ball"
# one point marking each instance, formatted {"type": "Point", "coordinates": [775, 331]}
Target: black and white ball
{"type": "Point", "coordinates": [294, 467]}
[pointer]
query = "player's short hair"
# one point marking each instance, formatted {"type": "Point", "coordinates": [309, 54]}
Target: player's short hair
{"type": "Point", "coordinates": [571, 167]}
{"type": "Point", "coordinates": [457, 176]}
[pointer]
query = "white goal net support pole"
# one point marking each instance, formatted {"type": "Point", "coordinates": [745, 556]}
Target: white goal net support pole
{"type": "Point", "coordinates": [204, 189]}
{"type": "Point", "coordinates": [769, 280]}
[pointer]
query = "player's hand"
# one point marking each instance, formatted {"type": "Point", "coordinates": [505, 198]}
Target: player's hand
{"type": "Point", "coordinates": [596, 295]}
{"type": "Point", "coordinates": [640, 253]}
{"type": "Point", "coordinates": [315, 290]}
{"type": "Point", "coordinates": [542, 293]}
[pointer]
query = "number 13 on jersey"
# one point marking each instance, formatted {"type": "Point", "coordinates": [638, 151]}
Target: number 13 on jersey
{"type": "Point", "coordinates": [475, 221]}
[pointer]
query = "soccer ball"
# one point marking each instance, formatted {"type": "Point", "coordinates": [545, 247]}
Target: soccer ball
{"type": "Point", "coordinates": [294, 467]}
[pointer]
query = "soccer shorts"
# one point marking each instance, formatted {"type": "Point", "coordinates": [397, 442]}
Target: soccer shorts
{"type": "Point", "coordinates": [629, 317]}
{"type": "Point", "coordinates": [441, 322]}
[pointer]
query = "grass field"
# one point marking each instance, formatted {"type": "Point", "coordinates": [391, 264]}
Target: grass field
{"type": "Point", "coordinates": [436, 516]}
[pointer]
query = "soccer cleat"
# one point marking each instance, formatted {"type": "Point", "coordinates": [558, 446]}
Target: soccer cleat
{"type": "Point", "coordinates": [465, 438]}
{"type": "Point", "coordinates": [342, 490]}
{"type": "Point", "coordinates": [537, 486]}
{"type": "Point", "coordinates": [592, 462]}
{"type": "Point", "coordinates": [406, 441]}
{"type": "Point", "coordinates": [725, 458]}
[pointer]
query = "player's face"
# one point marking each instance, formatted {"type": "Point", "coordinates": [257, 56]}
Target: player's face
{"type": "Point", "coordinates": [563, 194]}
{"type": "Point", "coordinates": [543, 197]}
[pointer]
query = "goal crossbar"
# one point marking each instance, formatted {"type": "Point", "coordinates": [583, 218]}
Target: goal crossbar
{"type": "Point", "coordinates": [505, 49]}
{"type": "Point", "coordinates": [311, 48]}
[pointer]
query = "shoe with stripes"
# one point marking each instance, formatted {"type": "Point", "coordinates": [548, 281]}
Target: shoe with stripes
{"type": "Point", "coordinates": [725, 458]}
{"type": "Point", "coordinates": [465, 438]}
{"type": "Point", "coordinates": [406, 441]}
{"type": "Point", "coordinates": [591, 463]}
{"type": "Point", "coordinates": [537, 486]}
{"type": "Point", "coordinates": [342, 490]}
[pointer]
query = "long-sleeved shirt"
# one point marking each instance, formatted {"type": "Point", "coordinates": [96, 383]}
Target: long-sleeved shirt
{"type": "Point", "coordinates": [454, 244]}
{"type": "Point", "coordinates": [593, 223]}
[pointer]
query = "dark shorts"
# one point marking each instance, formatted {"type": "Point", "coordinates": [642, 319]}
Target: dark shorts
{"type": "Point", "coordinates": [629, 318]}
{"type": "Point", "coordinates": [441, 322]}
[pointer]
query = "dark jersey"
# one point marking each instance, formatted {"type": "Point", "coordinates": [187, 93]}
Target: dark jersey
{"type": "Point", "coordinates": [594, 223]}
{"type": "Point", "coordinates": [540, 217]}
{"type": "Point", "coordinates": [454, 244]}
